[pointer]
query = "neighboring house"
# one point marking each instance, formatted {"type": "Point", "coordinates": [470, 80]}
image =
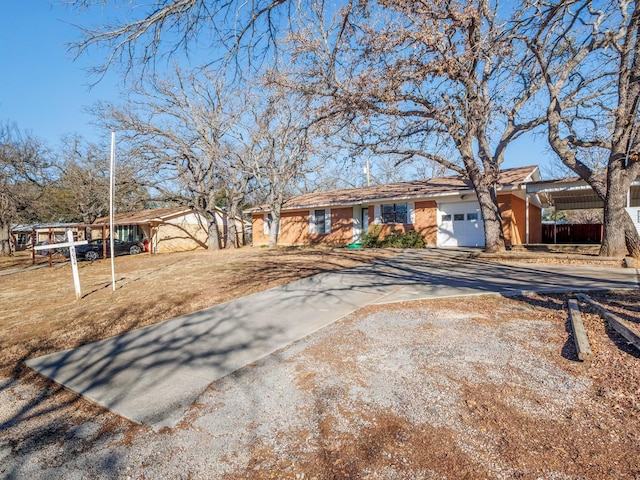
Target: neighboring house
{"type": "Point", "coordinates": [172, 229]}
{"type": "Point", "coordinates": [24, 235]}
{"type": "Point", "coordinates": [444, 210]}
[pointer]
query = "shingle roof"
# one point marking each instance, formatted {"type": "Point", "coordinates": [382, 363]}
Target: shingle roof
{"type": "Point", "coordinates": [403, 190]}
{"type": "Point", "coordinates": [144, 216]}
{"type": "Point", "coordinates": [41, 226]}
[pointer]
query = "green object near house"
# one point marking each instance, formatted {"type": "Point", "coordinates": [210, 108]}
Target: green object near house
{"type": "Point", "coordinates": [355, 245]}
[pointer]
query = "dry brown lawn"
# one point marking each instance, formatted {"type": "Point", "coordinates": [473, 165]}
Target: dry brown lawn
{"type": "Point", "coordinates": [40, 314]}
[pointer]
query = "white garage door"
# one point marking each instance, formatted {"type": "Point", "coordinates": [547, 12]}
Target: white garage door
{"type": "Point", "coordinates": [460, 225]}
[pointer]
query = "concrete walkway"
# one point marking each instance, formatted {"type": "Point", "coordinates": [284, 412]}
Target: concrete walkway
{"type": "Point", "coordinates": [152, 375]}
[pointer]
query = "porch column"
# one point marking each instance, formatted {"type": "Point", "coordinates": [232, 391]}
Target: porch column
{"type": "Point", "coordinates": [153, 247]}
{"type": "Point", "coordinates": [151, 238]}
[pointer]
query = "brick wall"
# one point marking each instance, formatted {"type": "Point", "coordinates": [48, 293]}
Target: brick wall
{"type": "Point", "coordinates": [294, 229]}
{"type": "Point", "coordinates": [427, 221]}
{"type": "Point", "coordinates": [504, 203]}
{"type": "Point", "coordinates": [514, 219]}
{"type": "Point", "coordinates": [257, 230]}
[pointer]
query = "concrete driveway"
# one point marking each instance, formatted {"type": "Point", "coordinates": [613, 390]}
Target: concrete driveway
{"type": "Point", "coordinates": [152, 375]}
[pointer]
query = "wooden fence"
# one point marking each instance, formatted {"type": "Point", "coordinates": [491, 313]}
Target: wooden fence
{"type": "Point", "coordinates": [571, 233]}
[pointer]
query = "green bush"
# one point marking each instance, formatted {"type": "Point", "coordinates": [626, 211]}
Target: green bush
{"type": "Point", "coordinates": [410, 239]}
{"type": "Point", "coordinates": [371, 239]}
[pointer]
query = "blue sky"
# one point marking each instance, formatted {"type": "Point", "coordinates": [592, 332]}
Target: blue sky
{"type": "Point", "coordinates": [41, 88]}
{"type": "Point", "coordinates": [44, 90]}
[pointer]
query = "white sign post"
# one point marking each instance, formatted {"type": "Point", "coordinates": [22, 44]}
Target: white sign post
{"type": "Point", "coordinates": [112, 183]}
{"type": "Point", "coordinates": [72, 254]}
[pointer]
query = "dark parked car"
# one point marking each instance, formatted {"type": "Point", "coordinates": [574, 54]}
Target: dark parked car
{"type": "Point", "coordinates": [93, 250]}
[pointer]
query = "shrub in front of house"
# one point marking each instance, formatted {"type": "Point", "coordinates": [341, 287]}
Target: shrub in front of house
{"type": "Point", "coordinates": [371, 239]}
{"type": "Point", "coordinates": [410, 239]}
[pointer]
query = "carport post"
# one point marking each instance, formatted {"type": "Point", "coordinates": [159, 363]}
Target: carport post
{"type": "Point", "coordinates": [151, 238]}
{"type": "Point", "coordinates": [104, 241]}
{"type": "Point", "coordinates": [50, 242]}
{"type": "Point", "coordinates": [33, 246]}
{"type": "Point", "coordinates": [526, 197]}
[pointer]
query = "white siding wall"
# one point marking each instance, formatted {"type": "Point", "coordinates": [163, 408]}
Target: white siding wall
{"type": "Point", "coordinates": [634, 213]}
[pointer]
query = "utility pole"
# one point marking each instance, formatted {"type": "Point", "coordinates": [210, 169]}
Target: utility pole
{"type": "Point", "coordinates": [367, 170]}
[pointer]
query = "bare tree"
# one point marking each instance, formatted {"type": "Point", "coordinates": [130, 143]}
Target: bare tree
{"type": "Point", "coordinates": [282, 149]}
{"type": "Point", "coordinates": [237, 181]}
{"type": "Point", "coordinates": [351, 164]}
{"type": "Point", "coordinates": [412, 75]}
{"type": "Point", "coordinates": [178, 126]}
{"type": "Point", "coordinates": [420, 79]}
{"type": "Point", "coordinates": [84, 180]}
{"type": "Point", "coordinates": [588, 56]}
{"type": "Point", "coordinates": [23, 168]}
{"type": "Point", "coordinates": [246, 31]}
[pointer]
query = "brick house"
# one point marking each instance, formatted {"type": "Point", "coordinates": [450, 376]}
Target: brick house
{"type": "Point", "coordinates": [444, 210]}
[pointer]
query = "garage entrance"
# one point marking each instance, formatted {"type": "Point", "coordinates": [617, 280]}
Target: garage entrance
{"type": "Point", "coordinates": [576, 194]}
{"type": "Point", "coordinates": [460, 225]}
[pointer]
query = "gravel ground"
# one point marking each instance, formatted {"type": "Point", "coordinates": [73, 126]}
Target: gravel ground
{"type": "Point", "coordinates": [482, 387]}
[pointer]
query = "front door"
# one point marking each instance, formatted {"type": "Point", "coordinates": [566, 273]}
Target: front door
{"type": "Point", "coordinates": [365, 219]}
{"type": "Point", "coordinates": [360, 222]}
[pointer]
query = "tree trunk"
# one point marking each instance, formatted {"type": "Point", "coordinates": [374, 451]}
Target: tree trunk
{"type": "Point", "coordinates": [615, 200]}
{"type": "Point", "coordinates": [87, 230]}
{"type": "Point", "coordinates": [613, 242]}
{"type": "Point", "coordinates": [613, 193]}
{"type": "Point", "coordinates": [620, 234]}
{"type": "Point", "coordinates": [274, 227]}
{"type": "Point", "coordinates": [233, 237]}
{"type": "Point", "coordinates": [484, 186]}
{"type": "Point", "coordinates": [5, 240]}
{"type": "Point", "coordinates": [631, 237]}
{"type": "Point", "coordinates": [232, 234]}
{"type": "Point", "coordinates": [214, 233]}
{"type": "Point", "coordinates": [492, 219]}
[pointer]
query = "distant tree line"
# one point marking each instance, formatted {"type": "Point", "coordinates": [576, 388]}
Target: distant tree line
{"type": "Point", "coordinates": [42, 185]}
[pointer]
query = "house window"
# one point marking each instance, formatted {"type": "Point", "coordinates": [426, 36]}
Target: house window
{"type": "Point", "coordinates": [394, 213]}
{"type": "Point", "coordinates": [446, 217]}
{"type": "Point", "coordinates": [128, 233]}
{"type": "Point", "coordinates": [472, 216]}
{"type": "Point", "coordinates": [320, 221]}
{"type": "Point", "coordinates": [457, 217]}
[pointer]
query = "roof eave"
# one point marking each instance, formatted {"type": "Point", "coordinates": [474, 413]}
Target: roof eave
{"type": "Point", "coordinates": [452, 193]}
